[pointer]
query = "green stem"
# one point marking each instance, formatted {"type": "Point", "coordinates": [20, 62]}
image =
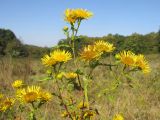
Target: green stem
{"type": "Point", "coordinates": [60, 96]}
{"type": "Point", "coordinates": [86, 91]}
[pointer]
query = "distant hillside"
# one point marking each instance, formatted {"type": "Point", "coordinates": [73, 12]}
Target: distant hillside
{"type": "Point", "coordinates": [11, 45]}
{"type": "Point", "coordinates": [138, 43]}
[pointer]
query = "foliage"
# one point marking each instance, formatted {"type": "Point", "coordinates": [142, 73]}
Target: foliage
{"type": "Point", "coordinates": [138, 43]}
{"type": "Point", "coordinates": [11, 45]}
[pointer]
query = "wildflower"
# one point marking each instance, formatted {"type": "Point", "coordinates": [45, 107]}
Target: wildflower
{"type": "Point", "coordinates": [82, 105]}
{"type": "Point", "coordinates": [48, 60]}
{"type": "Point", "coordinates": [83, 14]}
{"type": "Point", "coordinates": [70, 75]}
{"type": "Point", "coordinates": [118, 117]}
{"type": "Point", "coordinates": [61, 55]}
{"type": "Point", "coordinates": [90, 53]}
{"type": "Point", "coordinates": [17, 84]}
{"type": "Point", "coordinates": [60, 75]}
{"type": "Point", "coordinates": [102, 46]}
{"type": "Point", "coordinates": [65, 28]}
{"type": "Point", "coordinates": [45, 96]}
{"type": "Point", "coordinates": [142, 63]}
{"type": "Point", "coordinates": [6, 104]}
{"type": "Point", "coordinates": [72, 15]}
{"type": "Point", "coordinates": [126, 57]}
{"type": "Point", "coordinates": [29, 95]}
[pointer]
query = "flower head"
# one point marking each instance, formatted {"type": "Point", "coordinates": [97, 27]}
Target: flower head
{"type": "Point", "coordinates": [61, 55]}
{"type": "Point", "coordinates": [6, 104]}
{"type": "Point", "coordinates": [65, 28]}
{"type": "Point", "coordinates": [126, 57]}
{"type": "Point", "coordinates": [83, 14]}
{"type": "Point", "coordinates": [142, 63]}
{"type": "Point", "coordinates": [17, 84]}
{"type": "Point", "coordinates": [33, 94]}
{"type": "Point", "coordinates": [70, 75]}
{"type": "Point", "coordinates": [72, 15]}
{"type": "Point", "coordinates": [45, 96]}
{"type": "Point", "coordinates": [103, 46]}
{"type": "Point", "coordinates": [90, 53]}
{"type": "Point", "coordinates": [48, 60]}
{"type": "Point", "coordinates": [29, 95]}
{"type": "Point", "coordinates": [118, 117]}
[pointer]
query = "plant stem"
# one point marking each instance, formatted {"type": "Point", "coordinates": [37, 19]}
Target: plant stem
{"type": "Point", "coordinates": [60, 96]}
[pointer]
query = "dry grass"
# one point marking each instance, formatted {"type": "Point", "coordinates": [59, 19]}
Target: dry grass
{"type": "Point", "coordinates": [141, 101]}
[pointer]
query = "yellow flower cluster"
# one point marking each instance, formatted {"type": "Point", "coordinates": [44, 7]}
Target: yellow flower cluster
{"type": "Point", "coordinates": [93, 52]}
{"type": "Point", "coordinates": [32, 94]}
{"type": "Point", "coordinates": [103, 46]}
{"type": "Point", "coordinates": [17, 84]}
{"type": "Point", "coordinates": [130, 59]}
{"type": "Point", "coordinates": [70, 75]}
{"type": "Point", "coordinates": [6, 104]}
{"type": "Point", "coordinates": [90, 53]}
{"type": "Point", "coordinates": [118, 117]}
{"type": "Point", "coordinates": [57, 56]}
{"type": "Point", "coordinates": [73, 15]}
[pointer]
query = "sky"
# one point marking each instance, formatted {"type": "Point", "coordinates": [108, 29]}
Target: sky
{"type": "Point", "coordinates": [40, 22]}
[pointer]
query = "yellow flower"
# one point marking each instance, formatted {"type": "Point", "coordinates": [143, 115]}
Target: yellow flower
{"type": "Point", "coordinates": [70, 75]}
{"type": "Point", "coordinates": [29, 95]}
{"type": "Point", "coordinates": [90, 53]}
{"type": "Point", "coordinates": [142, 63]}
{"type": "Point", "coordinates": [17, 84]}
{"type": "Point", "coordinates": [61, 55]}
{"type": "Point", "coordinates": [45, 96]}
{"type": "Point", "coordinates": [83, 14]}
{"type": "Point", "coordinates": [102, 46]}
{"type": "Point", "coordinates": [72, 15]}
{"type": "Point", "coordinates": [6, 104]}
{"type": "Point", "coordinates": [126, 57]}
{"type": "Point", "coordinates": [60, 75]}
{"type": "Point", "coordinates": [82, 105]}
{"type": "Point", "coordinates": [118, 117]}
{"type": "Point", "coordinates": [65, 28]}
{"type": "Point", "coordinates": [48, 60]}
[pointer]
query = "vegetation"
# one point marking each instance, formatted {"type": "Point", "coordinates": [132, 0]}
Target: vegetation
{"type": "Point", "coordinates": [11, 45]}
{"type": "Point", "coordinates": [89, 81]}
{"type": "Point", "coordinates": [138, 43]}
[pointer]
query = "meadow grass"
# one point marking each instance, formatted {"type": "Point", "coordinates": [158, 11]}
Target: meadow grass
{"type": "Point", "coordinates": [138, 100]}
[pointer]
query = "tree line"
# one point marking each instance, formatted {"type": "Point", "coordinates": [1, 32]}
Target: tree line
{"type": "Point", "coordinates": [138, 43]}
{"type": "Point", "coordinates": [11, 45]}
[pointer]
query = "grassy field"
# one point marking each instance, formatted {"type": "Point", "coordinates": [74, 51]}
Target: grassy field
{"type": "Point", "coordinates": [138, 100]}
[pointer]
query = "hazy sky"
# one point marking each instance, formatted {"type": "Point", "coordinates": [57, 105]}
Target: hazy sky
{"type": "Point", "coordinates": [40, 22]}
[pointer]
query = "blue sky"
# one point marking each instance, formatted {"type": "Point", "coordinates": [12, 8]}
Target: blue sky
{"type": "Point", "coordinates": [40, 22]}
